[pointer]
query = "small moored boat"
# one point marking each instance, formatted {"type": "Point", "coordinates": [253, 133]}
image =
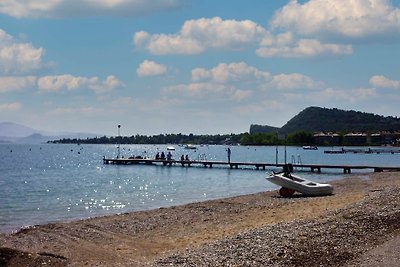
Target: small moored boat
{"type": "Point", "coordinates": [310, 148]}
{"type": "Point", "coordinates": [291, 183]}
{"type": "Point", "coordinates": [170, 148]}
{"type": "Point", "coordinates": [189, 146]}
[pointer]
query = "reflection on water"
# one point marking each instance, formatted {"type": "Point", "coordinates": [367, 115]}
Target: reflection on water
{"type": "Point", "coordinates": [44, 183]}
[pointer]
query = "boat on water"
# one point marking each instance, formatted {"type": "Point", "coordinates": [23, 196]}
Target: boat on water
{"type": "Point", "coordinates": [170, 148]}
{"type": "Point", "coordinates": [190, 146]}
{"type": "Point", "coordinates": [310, 148]}
{"type": "Point", "coordinates": [291, 183]}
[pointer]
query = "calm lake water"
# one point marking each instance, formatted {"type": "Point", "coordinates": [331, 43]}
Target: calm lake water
{"type": "Point", "coordinates": [48, 183]}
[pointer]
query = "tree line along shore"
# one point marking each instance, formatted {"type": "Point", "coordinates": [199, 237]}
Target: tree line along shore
{"type": "Point", "coordinates": [299, 138]}
{"type": "Point", "coordinates": [313, 126]}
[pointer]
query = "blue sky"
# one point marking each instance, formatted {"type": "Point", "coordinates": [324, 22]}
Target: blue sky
{"type": "Point", "coordinates": [195, 66]}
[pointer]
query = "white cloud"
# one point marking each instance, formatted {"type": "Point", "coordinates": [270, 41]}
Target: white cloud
{"type": "Point", "coordinates": [201, 35]}
{"type": "Point", "coordinates": [328, 27]}
{"type": "Point", "coordinates": [69, 82]}
{"type": "Point", "coordinates": [294, 81]}
{"type": "Point", "coordinates": [105, 86]}
{"type": "Point", "coordinates": [17, 57]}
{"type": "Point", "coordinates": [383, 82]}
{"type": "Point", "coordinates": [56, 83]}
{"type": "Point", "coordinates": [83, 8]}
{"type": "Point", "coordinates": [10, 106]}
{"type": "Point", "coordinates": [281, 39]}
{"type": "Point", "coordinates": [151, 68]}
{"type": "Point", "coordinates": [304, 48]}
{"type": "Point", "coordinates": [141, 38]}
{"type": "Point", "coordinates": [233, 72]}
{"type": "Point", "coordinates": [13, 83]}
{"type": "Point", "coordinates": [241, 74]}
{"type": "Point", "coordinates": [352, 19]}
{"type": "Point", "coordinates": [238, 82]}
{"type": "Point", "coordinates": [200, 74]}
{"type": "Point", "coordinates": [198, 35]}
{"type": "Point", "coordinates": [212, 92]}
{"type": "Point", "coordinates": [321, 27]}
{"type": "Point", "coordinates": [196, 90]}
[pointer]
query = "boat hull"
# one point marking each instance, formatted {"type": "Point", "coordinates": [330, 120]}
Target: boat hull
{"type": "Point", "coordinates": [304, 186]}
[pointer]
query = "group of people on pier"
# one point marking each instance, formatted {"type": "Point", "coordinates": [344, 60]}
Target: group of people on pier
{"type": "Point", "coordinates": [169, 156]}
{"type": "Point", "coordinates": [185, 158]}
{"type": "Point", "coordinates": [163, 157]}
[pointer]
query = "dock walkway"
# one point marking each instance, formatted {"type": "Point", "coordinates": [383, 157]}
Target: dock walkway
{"type": "Point", "coordinates": [364, 151]}
{"type": "Point", "coordinates": [237, 165]}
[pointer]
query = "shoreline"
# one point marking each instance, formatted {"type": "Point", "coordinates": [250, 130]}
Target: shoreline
{"type": "Point", "coordinates": [181, 233]}
{"type": "Point", "coordinates": [16, 228]}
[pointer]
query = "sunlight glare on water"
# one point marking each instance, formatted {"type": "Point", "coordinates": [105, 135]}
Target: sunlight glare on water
{"type": "Point", "coordinates": [47, 182]}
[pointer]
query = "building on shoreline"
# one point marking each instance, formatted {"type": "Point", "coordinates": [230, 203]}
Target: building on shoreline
{"type": "Point", "coordinates": [327, 139]}
{"type": "Point", "coordinates": [357, 139]}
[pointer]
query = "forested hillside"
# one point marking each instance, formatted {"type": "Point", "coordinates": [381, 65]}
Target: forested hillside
{"type": "Point", "coordinates": [315, 119]}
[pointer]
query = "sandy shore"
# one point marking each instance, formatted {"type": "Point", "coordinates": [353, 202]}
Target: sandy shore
{"type": "Point", "coordinates": [353, 227]}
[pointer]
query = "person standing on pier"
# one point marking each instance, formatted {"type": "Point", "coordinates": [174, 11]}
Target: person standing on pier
{"type": "Point", "coordinates": [169, 156]}
{"type": "Point", "coordinates": [229, 154]}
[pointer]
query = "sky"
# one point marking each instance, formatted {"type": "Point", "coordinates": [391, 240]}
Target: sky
{"type": "Point", "coordinates": [194, 66]}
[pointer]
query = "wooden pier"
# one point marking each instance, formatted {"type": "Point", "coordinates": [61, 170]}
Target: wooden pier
{"type": "Point", "coordinates": [242, 165]}
{"type": "Point", "coordinates": [364, 151]}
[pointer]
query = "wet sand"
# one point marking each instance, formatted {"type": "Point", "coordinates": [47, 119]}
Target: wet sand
{"type": "Point", "coordinates": [252, 230]}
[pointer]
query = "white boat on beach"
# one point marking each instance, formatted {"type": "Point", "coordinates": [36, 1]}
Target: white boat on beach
{"type": "Point", "coordinates": [170, 148]}
{"type": "Point", "coordinates": [291, 183]}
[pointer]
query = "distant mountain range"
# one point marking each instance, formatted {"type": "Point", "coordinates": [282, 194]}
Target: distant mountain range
{"type": "Point", "coordinates": [316, 119]}
{"type": "Point", "coordinates": [16, 133]}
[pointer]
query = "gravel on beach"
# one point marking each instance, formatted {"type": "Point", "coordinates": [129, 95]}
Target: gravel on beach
{"type": "Point", "coordinates": [332, 240]}
{"type": "Point", "coordinates": [353, 227]}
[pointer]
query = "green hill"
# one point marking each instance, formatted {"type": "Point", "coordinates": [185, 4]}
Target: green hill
{"type": "Point", "coordinates": [255, 128]}
{"type": "Point", "coordinates": [315, 119]}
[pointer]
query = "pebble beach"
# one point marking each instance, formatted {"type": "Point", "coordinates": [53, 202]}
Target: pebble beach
{"type": "Point", "coordinates": [356, 226]}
